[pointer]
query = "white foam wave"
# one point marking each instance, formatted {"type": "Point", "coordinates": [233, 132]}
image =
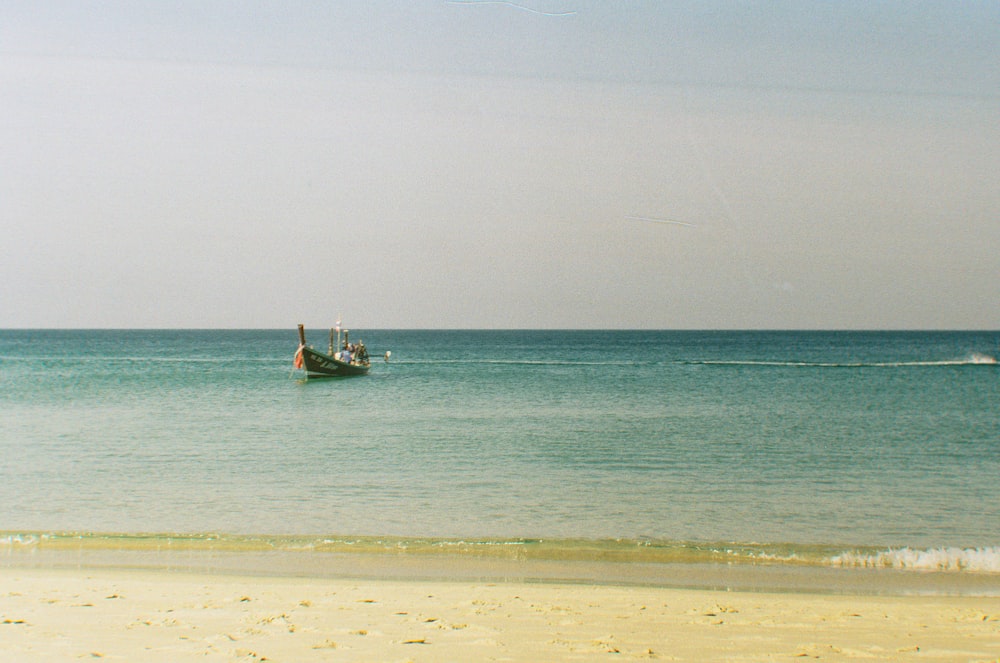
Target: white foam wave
{"type": "Point", "coordinates": [12, 540]}
{"type": "Point", "coordinates": [983, 560]}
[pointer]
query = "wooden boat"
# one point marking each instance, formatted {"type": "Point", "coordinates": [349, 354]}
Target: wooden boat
{"type": "Point", "coordinates": [347, 360]}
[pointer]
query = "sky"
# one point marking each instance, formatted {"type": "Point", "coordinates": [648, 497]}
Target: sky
{"type": "Point", "coordinates": [482, 164]}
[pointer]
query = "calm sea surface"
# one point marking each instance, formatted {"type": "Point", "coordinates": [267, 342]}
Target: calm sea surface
{"type": "Point", "coordinates": [779, 443]}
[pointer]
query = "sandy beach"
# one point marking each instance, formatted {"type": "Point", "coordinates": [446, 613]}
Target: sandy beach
{"type": "Point", "coordinates": [146, 615]}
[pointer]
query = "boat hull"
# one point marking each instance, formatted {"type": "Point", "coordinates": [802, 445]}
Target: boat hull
{"type": "Point", "coordinates": [319, 365]}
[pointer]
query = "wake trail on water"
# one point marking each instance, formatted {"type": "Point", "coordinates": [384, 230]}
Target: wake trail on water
{"type": "Point", "coordinates": [519, 362]}
{"type": "Point", "coordinates": [974, 359]}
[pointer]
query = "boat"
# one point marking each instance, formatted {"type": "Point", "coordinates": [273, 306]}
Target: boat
{"type": "Point", "coordinates": [343, 359]}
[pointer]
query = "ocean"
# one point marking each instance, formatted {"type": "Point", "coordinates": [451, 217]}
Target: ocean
{"type": "Point", "coordinates": [788, 448]}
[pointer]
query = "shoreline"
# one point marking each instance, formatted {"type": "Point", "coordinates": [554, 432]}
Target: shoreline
{"type": "Point", "coordinates": [454, 565]}
{"type": "Point", "coordinates": [156, 615]}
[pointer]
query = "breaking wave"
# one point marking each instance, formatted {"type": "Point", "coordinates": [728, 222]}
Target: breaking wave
{"type": "Point", "coordinates": [984, 560]}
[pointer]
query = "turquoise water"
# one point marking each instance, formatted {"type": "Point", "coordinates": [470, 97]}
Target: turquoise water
{"type": "Point", "coordinates": [856, 447]}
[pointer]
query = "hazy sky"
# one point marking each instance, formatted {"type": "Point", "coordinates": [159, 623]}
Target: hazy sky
{"type": "Point", "coordinates": [490, 164]}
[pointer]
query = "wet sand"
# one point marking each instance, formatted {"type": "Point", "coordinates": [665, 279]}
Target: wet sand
{"type": "Point", "coordinates": [57, 614]}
